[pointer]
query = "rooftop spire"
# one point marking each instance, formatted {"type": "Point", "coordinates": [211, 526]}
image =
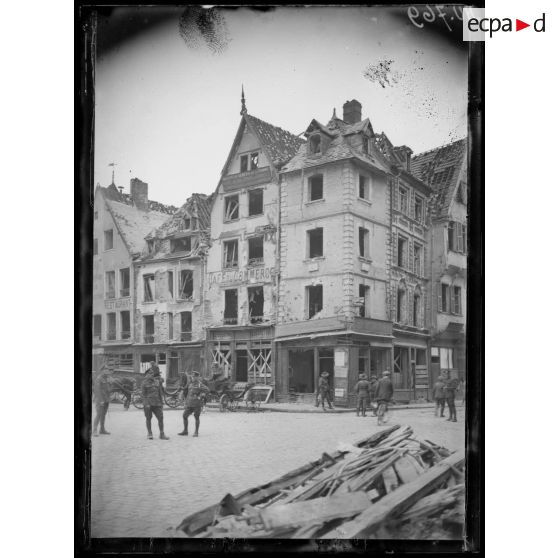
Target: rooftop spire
{"type": "Point", "coordinates": [243, 102]}
{"type": "Point", "coordinates": [112, 165]}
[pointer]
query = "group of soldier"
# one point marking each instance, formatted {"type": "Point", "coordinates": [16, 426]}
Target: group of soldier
{"type": "Point", "coordinates": [444, 392]}
{"type": "Point", "coordinates": [153, 400]}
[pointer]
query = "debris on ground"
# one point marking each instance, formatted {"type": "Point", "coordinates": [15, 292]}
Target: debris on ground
{"type": "Point", "coordinates": [389, 485]}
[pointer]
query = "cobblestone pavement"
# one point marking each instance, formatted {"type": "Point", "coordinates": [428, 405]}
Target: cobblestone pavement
{"type": "Point", "coordinates": [142, 487]}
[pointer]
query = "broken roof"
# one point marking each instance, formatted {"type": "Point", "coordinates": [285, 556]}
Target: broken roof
{"type": "Point", "coordinates": [197, 206]}
{"type": "Point", "coordinates": [111, 192]}
{"type": "Point", "coordinates": [441, 168]}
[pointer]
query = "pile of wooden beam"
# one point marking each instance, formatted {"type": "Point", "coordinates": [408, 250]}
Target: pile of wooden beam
{"type": "Point", "coordinates": [389, 485]}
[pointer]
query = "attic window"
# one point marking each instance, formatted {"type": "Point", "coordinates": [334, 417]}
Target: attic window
{"type": "Point", "coordinates": [255, 202]}
{"type": "Point", "coordinates": [365, 144]}
{"type": "Point", "coordinates": [181, 244]}
{"type": "Point", "coordinates": [316, 144]}
{"type": "Point", "coordinates": [244, 163]}
{"type": "Point", "coordinates": [254, 158]}
{"type": "Point", "coordinates": [187, 224]}
{"type": "Point", "coordinates": [231, 208]}
{"type": "Point", "coordinates": [316, 187]}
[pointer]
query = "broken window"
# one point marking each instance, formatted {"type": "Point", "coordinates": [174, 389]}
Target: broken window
{"type": "Point", "coordinates": [456, 300]}
{"type": "Point", "coordinates": [187, 224]}
{"type": "Point", "coordinates": [400, 304]}
{"type": "Point", "coordinates": [95, 246]}
{"type": "Point", "coordinates": [170, 318]}
{"type": "Point", "coordinates": [419, 209]}
{"type": "Point", "coordinates": [125, 282]}
{"type": "Point", "coordinates": [315, 299]}
{"type": "Point", "coordinates": [230, 254]}
{"type": "Point", "coordinates": [109, 240]}
{"type": "Point", "coordinates": [149, 288]}
{"type": "Point", "coordinates": [231, 208]}
{"type": "Point", "coordinates": [149, 329]}
{"type": "Point", "coordinates": [256, 250]}
{"type": "Point", "coordinates": [315, 144]}
{"type": "Point", "coordinates": [97, 321]}
{"type": "Point", "coordinates": [181, 244]}
{"type": "Point", "coordinates": [185, 326]}
{"type": "Point", "coordinates": [255, 202]}
{"type": "Point", "coordinates": [363, 192]}
{"type": "Point", "coordinates": [316, 187]}
{"type": "Point", "coordinates": [186, 287]}
{"type": "Point", "coordinates": [363, 242]}
{"type": "Point", "coordinates": [403, 200]}
{"type": "Point", "coordinates": [416, 308]}
{"type": "Point", "coordinates": [244, 163]}
{"type": "Point", "coordinates": [401, 251]}
{"type": "Point", "coordinates": [363, 291]}
{"type": "Point", "coordinates": [170, 283]}
{"type": "Point", "coordinates": [254, 159]}
{"type": "Point", "coordinates": [125, 331]}
{"type": "Point", "coordinates": [110, 284]}
{"type": "Point", "coordinates": [111, 326]}
{"type": "Point", "coordinates": [255, 304]}
{"type": "Point", "coordinates": [417, 259]}
{"type": "Point", "coordinates": [315, 243]}
{"type": "Point", "coordinates": [231, 306]}
{"type": "Point", "coordinates": [443, 297]}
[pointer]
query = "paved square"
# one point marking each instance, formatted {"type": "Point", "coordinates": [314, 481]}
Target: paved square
{"type": "Point", "coordinates": [141, 487]}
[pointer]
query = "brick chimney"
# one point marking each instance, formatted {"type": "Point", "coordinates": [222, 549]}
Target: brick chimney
{"type": "Point", "coordinates": [138, 190]}
{"type": "Point", "coordinates": [352, 112]}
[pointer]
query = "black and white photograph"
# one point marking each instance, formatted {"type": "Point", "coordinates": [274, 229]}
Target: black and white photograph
{"type": "Point", "coordinates": [279, 231]}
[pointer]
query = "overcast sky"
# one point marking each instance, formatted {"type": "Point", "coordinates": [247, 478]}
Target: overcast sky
{"type": "Point", "coordinates": [167, 105]}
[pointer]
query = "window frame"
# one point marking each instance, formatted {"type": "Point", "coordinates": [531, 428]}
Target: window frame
{"type": "Point", "coordinates": [421, 200]}
{"type": "Point", "coordinates": [364, 246]}
{"type": "Point", "coordinates": [105, 249]}
{"type": "Point", "coordinates": [254, 261]}
{"type": "Point", "coordinates": [230, 320]}
{"type": "Point", "coordinates": [420, 270]}
{"type": "Point", "coordinates": [312, 144]}
{"type": "Point", "coordinates": [144, 277]}
{"type": "Point", "coordinates": [309, 233]}
{"type": "Point", "coordinates": [146, 317]}
{"type": "Point", "coordinates": [108, 330]}
{"type": "Point", "coordinates": [250, 193]}
{"type": "Point", "coordinates": [256, 319]}
{"type": "Point", "coordinates": [309, 288]}
{"type": "Point", "coordinates": [121, 282]}
{"type": "Point", "coordinates": [227, 243]}
{"type": "Point", "coordinates": [186, 334]}
{"type": "Point", "coordinates": [129, 331]}
{"type": "Point", "coordinates": [311, 185]}
{"type": "Point", "coordinates": [97, 318]}
{"type": "Point", "coordinates": [404, 253]}
{"type": "Point", "coordinates": [107, 273]}
{"type": "Point", "coordinates": [407, 191]}
{"type": "Point", "coordinates": [225, 212]}
{"type": "Point", "coordinates": [364, 293]}
{"type": "Point", "coordinates": [364, 181]}
{"type": "Point", "coordinates": [182, 283]}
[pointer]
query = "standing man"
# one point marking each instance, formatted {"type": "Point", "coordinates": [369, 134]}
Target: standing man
{"type": "Point", "coordinates": [193, 403]}
{"type": "Point", "coordinates": [440, 396]}
{"type": "Point", "coordinates": [362, 389]}
{"type": "Point", "coordinates": [101, 391]}
{"type": "Point", "coordinates": [152, 393]}
{"type": "Point", "coordinates": [384, 394]}
{"type": "Point", "coordinates": [373, 386]}
{"type": "Point", "coordinates": [324, 390]}
{"type": "Point", "coordinates": [452, 386]}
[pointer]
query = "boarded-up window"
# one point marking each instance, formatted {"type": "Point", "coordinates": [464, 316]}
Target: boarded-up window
{"type": "Point", "coordinates": [363, 243]}
{"type": "Point", "coordinates": [110, 284]}
{"type": "Point", "coordinates": [185, 326]}
{"type": "Point", "coordinates": [243, 163]}
{"type": "Point", "coordinates": [181, 244]}
{"type": "Point", "coordinates": [149, 329]}
{"type": "Point", "coordinates": [255, 250]}
{"type": "Point", "coordinates": [230, 254]}
{"type": "Point", "coordinates": [109, 240]}
{"type": "Point", "coordinates": [314, 296]}
{"type": "Point", "coordinates": [231, 306]}
{"type": "Point", "coordinates": [255, 202]}
{"type": "Point", "coordinates": [315, 243]}
{"type": "Point", "coordinates": [186, 287]}
{"type": "Point", "coordinates": [316, 187]}
{"type": "Point", "coordinates": [95, 246]}
{"type": "Point", "coordinates": [125, 324]}
{"type": "Point", "coordinates": [111, 326]}
{"type": "Point", "coordinates": [255, 304]}
{"type": "Point", "coordinates": [125, 282]}
{"type": "Point", "coordinates": [363, 294]}
{"type": "Point", "coordinates": [149, 288]}
{"type": "Point", "coordinates": [97, 321]}
{"type": "Point", "coordinates": [231, 208]}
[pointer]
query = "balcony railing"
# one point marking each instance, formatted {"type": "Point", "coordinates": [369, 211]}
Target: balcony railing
{"type": "Point", "coordinates": [256, 319]}
{"type": "Point", "coordinates": [149, 338]}
{"type": "Point", "coordinates": [230, 321]}
{"type": "Point", "coordinates": [185, 336]}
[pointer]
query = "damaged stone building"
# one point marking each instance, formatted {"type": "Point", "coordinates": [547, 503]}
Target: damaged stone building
{"type": "Point", "coordinates": [120, 223]}
{"type": "Point", "coordinates": [243, 257]}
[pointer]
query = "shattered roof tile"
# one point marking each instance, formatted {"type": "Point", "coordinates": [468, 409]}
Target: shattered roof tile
{"type": "Point", "coordinates": [111, 193]}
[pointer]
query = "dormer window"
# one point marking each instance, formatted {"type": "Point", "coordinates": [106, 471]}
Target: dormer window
{"type": "Point", "coordinates": [365, 144]}
{"type": "Point", "coordinates": [187, 223]}
{"type": "Point", "coordinates": [316, 187]}
{"type": "Point", "coordinates": [315, 144]}
{"type": "Point", "coordinates": [181, 244]}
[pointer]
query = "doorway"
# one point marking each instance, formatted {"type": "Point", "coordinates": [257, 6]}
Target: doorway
{"type": "Point", "coordinates": [301, 371]}
{"type": "Point", "coordinates": [241, 365]}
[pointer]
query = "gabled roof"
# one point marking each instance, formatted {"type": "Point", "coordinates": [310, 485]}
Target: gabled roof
{"type": "Point", "coordinates": [441, 169]}
{"type": "Point", "coordinates": [133, 224]}
{"type": "Point", "coordinates": [197, 205]}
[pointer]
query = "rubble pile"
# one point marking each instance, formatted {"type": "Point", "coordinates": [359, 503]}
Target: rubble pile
{"type": "Point", "coordinates": [389, 485]}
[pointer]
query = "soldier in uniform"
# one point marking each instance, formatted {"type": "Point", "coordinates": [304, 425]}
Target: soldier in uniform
{"type": "Point", "coordinates": [452, 386]}
{"type": "Point", "coordinates": [362, 389]}
{"type": "Point", "coordinates": [193, 403]}
{"type": "Point", "coordinates": [152, 393]}
{"type": "Point", "coordinates": [101, 391]}
{"type": "Point", "coordinates": [440, 396]}
{"type": "Point", "coordinates": [324, 390]}
{"type": "Point", "coordinates": [384, 389]}
{"type": "Point", "coordinates": [373, 385]}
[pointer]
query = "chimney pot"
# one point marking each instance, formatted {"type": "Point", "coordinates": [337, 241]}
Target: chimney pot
{"type": "Point", "coordinates": [138, 191]}
{"type": "Point", "coordinates": [352, 112]}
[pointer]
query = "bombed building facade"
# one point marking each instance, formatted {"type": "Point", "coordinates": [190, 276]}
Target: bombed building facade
{"type": "Point", "coordinates": [331, 251]}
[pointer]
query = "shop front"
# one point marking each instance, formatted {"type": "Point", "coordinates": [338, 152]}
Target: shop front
{"type": "Point", "coordinates": [411, 378]}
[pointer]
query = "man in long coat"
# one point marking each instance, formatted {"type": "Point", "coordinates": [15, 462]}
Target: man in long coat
{"type": "Point", "coordinates": [153, 399]}
{"type": "Point", "coordinates": [101, 392]}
